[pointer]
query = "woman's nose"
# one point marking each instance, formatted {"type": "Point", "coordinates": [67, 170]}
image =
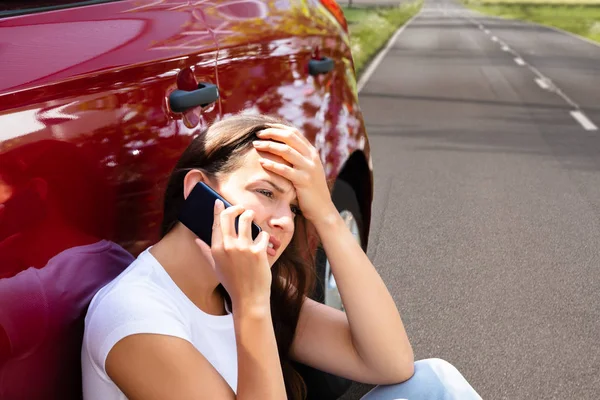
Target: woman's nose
{"type": "Point", "coordinates": [283, 220]}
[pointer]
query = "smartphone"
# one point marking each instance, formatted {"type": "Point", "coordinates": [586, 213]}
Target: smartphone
{"type": "Point", "coordinates": [198, 212]}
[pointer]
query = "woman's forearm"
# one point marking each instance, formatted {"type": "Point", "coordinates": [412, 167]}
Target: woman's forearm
{"type": "Point", "coordinates": [377, 330]}
{"type": "Point", "coordinates": [259, 368]}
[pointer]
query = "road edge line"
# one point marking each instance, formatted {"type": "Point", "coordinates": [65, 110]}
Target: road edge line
{"type": "Point", "coordinates": [576, 36]}
{"type": "Point", "coordinates": [379, 57]}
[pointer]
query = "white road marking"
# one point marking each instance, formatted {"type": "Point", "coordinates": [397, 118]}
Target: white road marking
{"type": "Point", "coordinates": [584, 121]}
{"type": "Point", "coordinates": [494, 39]}
{"type": "Point", "coordinates": [375, 63]}
{"type": "Point", "coordinates": [542, 83]}
{"type": "Point", "coordinates": [545, 27]}
{"type": "Point", "coordinates": [553, 88]}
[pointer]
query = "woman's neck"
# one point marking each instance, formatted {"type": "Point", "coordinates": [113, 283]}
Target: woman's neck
{"type": "Point", "coordinates": [190, 268]}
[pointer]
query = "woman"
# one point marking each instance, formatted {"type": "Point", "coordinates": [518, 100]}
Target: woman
{"type": "Point", "coordinates": [189, 321]}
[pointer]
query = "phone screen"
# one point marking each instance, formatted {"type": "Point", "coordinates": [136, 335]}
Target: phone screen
{"type": "Point", "coordinates": [197, 213]}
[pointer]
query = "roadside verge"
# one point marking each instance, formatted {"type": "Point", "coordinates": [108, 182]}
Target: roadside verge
{"type": "Point", "coordinates": [372, 27]}
{"type": "Point", "coordinates": [579, 17]}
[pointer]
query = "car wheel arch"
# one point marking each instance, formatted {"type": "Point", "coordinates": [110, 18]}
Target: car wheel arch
{"type": "Point", "coordinates": [357, 174]}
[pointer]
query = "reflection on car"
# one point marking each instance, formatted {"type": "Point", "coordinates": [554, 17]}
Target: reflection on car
{"type": "Point", "coordinates": [88, 137]}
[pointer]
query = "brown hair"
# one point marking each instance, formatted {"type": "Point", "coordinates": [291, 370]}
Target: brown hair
{"type": "Point", "coordinates": [219, 150]}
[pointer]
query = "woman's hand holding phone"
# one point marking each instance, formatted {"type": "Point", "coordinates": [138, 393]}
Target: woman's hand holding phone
{"type": "Point", "coordinates": [241, 264]}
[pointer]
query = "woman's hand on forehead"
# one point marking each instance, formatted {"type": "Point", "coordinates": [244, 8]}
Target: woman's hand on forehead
{"type": "Point", "coordinates": [302, 167]}
{"type": "Point", "coordinates": [288, 135]}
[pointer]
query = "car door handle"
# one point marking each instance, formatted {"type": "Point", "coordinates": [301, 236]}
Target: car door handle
{"type": "Point", "coordinates": [320, 66]}
{"type": "Point", "coordinates": [182, 100]}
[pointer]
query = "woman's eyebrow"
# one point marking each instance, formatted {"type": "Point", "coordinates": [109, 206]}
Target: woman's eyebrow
{"type": "Point", "coordinates": [277, 188]}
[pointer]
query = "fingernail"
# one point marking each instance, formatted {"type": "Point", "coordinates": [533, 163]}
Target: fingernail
{"type": "Point", "coordinates": [256, 143]}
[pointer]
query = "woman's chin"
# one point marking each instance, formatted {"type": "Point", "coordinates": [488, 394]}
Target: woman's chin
{"type": "Point", "coordinates": [273, 259]}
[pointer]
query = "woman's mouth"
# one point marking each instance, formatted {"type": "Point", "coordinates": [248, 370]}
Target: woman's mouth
{"type": "Point", "coordinates": [274, 245]}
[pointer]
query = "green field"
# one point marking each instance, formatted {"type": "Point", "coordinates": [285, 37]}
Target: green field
{"type": "Point", "coordinates": [540, 2]}
{"type": "Point", "coordinates": [581, 17]}
{"type": "Point", "coordinates": [371, 27]}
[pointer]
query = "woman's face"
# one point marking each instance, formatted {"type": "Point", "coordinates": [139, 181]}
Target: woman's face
{"type": "Point", "coordinates": [270, 196]}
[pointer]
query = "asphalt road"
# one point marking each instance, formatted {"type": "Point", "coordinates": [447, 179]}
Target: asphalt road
{"type": "Point", "coordinates": [486, 218]}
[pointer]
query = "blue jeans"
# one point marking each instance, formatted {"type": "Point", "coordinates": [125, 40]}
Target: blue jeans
{"type": "Point", "coordinates": [434, 379]}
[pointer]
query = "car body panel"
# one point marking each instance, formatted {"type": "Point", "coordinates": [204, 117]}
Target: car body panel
{"type": "Point", "coordinates": [88, 140]}
{"type": "Point", "coordinates": [264, 51]}
{"type": "Point", "coordinates": [112, 99]}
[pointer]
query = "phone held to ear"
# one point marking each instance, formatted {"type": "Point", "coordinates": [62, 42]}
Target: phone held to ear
{"type": "Point", "coordinates": [197, 213]}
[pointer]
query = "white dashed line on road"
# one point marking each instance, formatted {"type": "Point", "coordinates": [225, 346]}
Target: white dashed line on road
{"type": "Point", "coordinates": [584, 121]}
{"type": "Point", "coordinates": [553, 88]}
{"type": "Point", "coordinates": [543, 83]}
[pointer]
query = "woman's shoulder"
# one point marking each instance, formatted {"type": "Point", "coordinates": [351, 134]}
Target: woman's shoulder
{"type": "Point", "coordinates": [139, 287]}
{"type": "Point", "coordinates": [137, 301]}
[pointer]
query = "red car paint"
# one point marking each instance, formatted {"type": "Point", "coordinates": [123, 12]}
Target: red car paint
{"type": "Point", "coordinates": [87, 137]}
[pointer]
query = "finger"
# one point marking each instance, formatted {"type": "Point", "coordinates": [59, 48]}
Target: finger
{"type": "Point", "coordinates": [227, 218]}
{"type": "Point", "coordinates": [262, 241]}
{"type": "Point", "coordinates": [289, 137]}
{"type": "Point", "coordinates": [294, 130]}
{"type": "Point", "coordinates": [245, 227]}
{"type": "Point", "coordinates": [217, 236]}
{"type": "Point", "coordinates": [282, 150]}
{"type": "Point", "coordinates": [280, 169]}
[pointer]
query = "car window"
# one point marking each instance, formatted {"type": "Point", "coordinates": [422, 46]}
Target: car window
{"type": "Point", "coordinates": [10, 8]}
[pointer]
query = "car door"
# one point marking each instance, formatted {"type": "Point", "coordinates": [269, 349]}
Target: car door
{"type": "Point", "coordinates": [344, 132]}
{"type": "Point", "coordinates": [100, 77]}
{"type": "Point", "coordinates": [91, 123]}
{"type": "Point", "coordinates": [269, 61]}
{"type": "Point", "coordinates": [291, 59]}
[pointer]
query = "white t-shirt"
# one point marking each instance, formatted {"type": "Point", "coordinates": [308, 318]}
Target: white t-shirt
{"type": "Point", "coordinates": [144, 299]}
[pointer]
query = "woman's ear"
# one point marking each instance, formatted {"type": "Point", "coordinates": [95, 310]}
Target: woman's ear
{"type": "Point", "coordinates": [191, 179]}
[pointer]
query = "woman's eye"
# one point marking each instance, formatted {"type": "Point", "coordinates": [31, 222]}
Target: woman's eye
{"type": "Point", "coordinates": [296, 210]}
{"type": "Point", "coordinates": [267, 193]}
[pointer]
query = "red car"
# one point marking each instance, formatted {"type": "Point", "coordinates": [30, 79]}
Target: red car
{"type": "Point", "coordinates": [97, 101]}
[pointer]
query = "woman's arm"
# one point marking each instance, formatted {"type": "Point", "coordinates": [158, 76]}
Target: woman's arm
{"type": "Point", "coordinates": [376, 329]}
{"type": "Point", "coordinates": [259, 368]}
{"type": "Point", "coordinates": [243, 269]}
{"type": "Point", "coordinates": [368, 343]}
{"type": "Point", "coordinates": [165, 367]}
{"type": "Point", "coordinates": [150, 366]}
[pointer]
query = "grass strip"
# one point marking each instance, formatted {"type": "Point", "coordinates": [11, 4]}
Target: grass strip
{"type": "Point", "coordinates": [581, 17]}
{"type": "Point", "coordinates": [371, 27]}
